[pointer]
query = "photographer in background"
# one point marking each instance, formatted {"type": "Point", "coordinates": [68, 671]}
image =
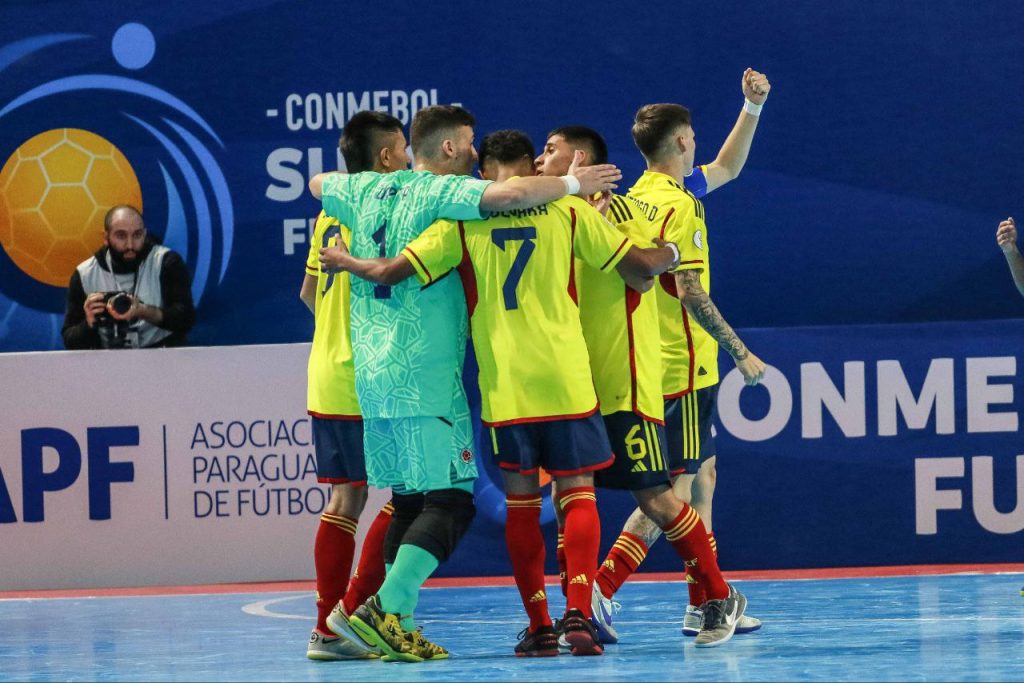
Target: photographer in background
{"type": "Point", "coordinates": [140, 292]}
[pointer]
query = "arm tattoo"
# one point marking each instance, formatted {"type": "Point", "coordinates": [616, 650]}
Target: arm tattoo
{"type": "Point", "coordinates": [699, 304]}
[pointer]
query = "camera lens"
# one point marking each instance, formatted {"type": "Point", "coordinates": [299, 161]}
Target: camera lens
{"type": "Point", "coordinates": [121, 303]}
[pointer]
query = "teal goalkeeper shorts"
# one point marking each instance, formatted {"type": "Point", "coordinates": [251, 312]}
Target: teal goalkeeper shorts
{"type": "Point", "coordinates": [419, 454]}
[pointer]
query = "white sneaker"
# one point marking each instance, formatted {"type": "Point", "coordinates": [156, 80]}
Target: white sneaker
{"type": "Point", "coordinates": [747, 624]}
{"type": "Point", "coordinates": [692, 621]}
{"type": "Point", "coordinates": [602, 609]}
{"type": "Point", "coordinates": [334, 648]}
{"type": "Point", "coordinates": [337, 620]}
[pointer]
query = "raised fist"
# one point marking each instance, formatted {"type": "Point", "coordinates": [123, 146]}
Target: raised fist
{"type": "Point", "coordinates": [755, 86]}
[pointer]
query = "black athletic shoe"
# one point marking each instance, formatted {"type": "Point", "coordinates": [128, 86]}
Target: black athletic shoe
{"type": "Point", "coordinates": [541, 643]}
{"type": "Point", "coordinates": [581, 634]}
{"type": "Point", "coordinates": [563, 644]}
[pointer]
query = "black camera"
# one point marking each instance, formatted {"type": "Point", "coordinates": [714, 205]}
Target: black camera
{"type": "Point", "coordinates": [119, 301]}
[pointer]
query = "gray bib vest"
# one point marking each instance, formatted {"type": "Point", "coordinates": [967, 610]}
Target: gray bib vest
{"type": "Point", "coordinates": [144, 284]}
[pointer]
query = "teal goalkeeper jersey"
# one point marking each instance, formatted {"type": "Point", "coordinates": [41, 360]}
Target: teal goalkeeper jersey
{"type": "Point", "coordinates": [408, 341]}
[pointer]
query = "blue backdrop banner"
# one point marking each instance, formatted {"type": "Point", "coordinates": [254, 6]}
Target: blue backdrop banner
{"type": "Point", "coordinates": [881, 167]}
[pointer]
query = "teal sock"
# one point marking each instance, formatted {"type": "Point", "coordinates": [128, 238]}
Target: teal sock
{"type": "Point", "coordinates": [400, 590]}
{"type": "Point", "coordinates": [408, 623]}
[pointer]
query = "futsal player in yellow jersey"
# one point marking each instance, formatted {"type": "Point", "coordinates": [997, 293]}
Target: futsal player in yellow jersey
{"type": "Point", "coordinates": [538, 397]}
{"type": "Point", "coordinates": [692, 328]}
{"type": "Point", "coordinates": [371, 141]}
{"type": "Point", "coordinates": [621, 327]}
{"type": "Point", "coordinates": [631, 547]}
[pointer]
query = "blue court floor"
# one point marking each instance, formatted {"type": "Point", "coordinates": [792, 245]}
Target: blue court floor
{"type": "Point", "coordinates": [941, 628]}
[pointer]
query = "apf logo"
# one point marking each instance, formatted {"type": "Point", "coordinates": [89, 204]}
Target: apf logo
{"type": "Point", "coordinates": [36, 480]}
{"type": "Point", "coordinates": [81, 143]}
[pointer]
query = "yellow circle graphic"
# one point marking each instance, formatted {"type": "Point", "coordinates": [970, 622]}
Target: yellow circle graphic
{"type": "Point", "coordinates": [54, 192]}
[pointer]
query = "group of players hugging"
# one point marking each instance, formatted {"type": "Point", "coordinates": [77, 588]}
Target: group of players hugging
{"type": "Point", "coordinates": [597, 343]}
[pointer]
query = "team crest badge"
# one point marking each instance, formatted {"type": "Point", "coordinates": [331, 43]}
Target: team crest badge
{"type": "Point", "coordinates": [698, 240]}
{"type": "Point", "coordinates": [467, 456]}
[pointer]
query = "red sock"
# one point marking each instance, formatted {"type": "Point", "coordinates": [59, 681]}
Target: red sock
{"type": "Point", "coordinates": [560, 554]}
{"type": "Point", "coordinates": [688, 536]}
{"type": "Point", "coordinates": [582, 543]}
{"type": "Point", "coordinates": [332, 554]}
{"type": "Point", "coordinates": [697, 595]}
{"type": "Point", "coordinates": [626, 554]}
{"type": "Point", "coordinates": [526, 550]}
{"type": "Point", "coordinates": [369, 575]}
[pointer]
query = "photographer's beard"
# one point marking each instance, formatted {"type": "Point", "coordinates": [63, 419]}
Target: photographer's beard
{"type": "Point", "coordinates": [128, 261]}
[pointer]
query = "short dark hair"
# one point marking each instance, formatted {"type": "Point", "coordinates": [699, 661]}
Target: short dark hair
{"type": "Point", "coordinates": [360, 141]}
{"type": "Point", "coordinates": [654, 124]}
{"type": "Point", "coordinates": [431, 123]}
{"type": "Point", "coordinates": [121, 207]}
{"type": "Point", "coordinates": [506, 146]}
{"type": "Point", "coordinates": [582, 136]}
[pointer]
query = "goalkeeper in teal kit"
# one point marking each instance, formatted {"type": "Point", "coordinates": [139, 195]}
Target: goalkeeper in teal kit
{"type": "Point", "coordinates": [408, 344]}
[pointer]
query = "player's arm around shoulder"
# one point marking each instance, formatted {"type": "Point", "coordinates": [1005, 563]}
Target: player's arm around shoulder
{"type": "Point", "coordinates": [316, 184]}
{"type": "Point", "coordinates": [525, 193]}
{"type": "Point", "coordinates": [382, 271]}
{"type": "Point", "coordinates": [604, 246]}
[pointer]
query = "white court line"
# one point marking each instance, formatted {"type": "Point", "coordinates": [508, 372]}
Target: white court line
{"type": "Point", "coordinates": [259, 608]}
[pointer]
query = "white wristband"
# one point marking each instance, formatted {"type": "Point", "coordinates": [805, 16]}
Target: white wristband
{"type": "Point", "coordinates": [675, 250]}
{"type": "Point", "coordinates": [751, 108]}
{"type": "Point", "coordinates": [572, 184]}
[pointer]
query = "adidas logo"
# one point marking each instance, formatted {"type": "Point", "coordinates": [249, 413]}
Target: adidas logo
{"type": "Point", "coordinates": [579, 578]}
{"type": "Point", "coordinates": [539, 596]}
{"type": "Point", "coordinates": [610, 564]}
{"type": "Point", "coordinates": [690, 579]}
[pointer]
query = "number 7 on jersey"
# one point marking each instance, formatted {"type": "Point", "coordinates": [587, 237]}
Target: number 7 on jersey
{"type": "Point", "coordinates": [526, 235]}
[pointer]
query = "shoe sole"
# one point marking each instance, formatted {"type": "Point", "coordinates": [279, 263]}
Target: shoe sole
{"type": "Point", "coordinates": [345, 631]}
{"type": "Point", "coordinates": [370, 636]}
{"type": "Point", "coordinates": [692, 633]}
{"type": "Point", "coordinates": [389, 658]}
{"type": "Point", "coordinates": [739, 613]}
{"type": "Point", "coordinates": [605, 634]}
{"type": "Point", "coordinates": [582, 645]}
{"type": "Point", "coordinates": [328, 657]}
